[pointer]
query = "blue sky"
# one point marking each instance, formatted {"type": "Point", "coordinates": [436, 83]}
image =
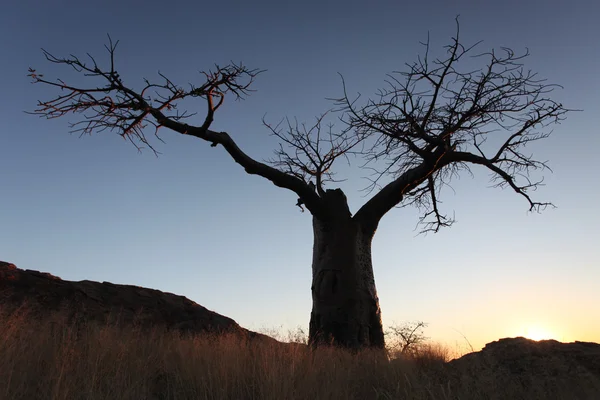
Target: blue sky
{"type": "Point", "coordinates": [193, 223]}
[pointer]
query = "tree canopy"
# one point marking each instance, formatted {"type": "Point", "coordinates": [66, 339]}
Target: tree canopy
{"type": "Point", "coordinates": [432, 121]}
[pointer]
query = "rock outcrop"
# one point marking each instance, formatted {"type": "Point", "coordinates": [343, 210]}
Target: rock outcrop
{"type": "Point", "coordinates": [520, 368]}
{"type": "Point", "coordinates": [41, 294]}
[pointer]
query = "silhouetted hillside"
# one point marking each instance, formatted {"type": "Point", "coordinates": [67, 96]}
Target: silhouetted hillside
{"type": "Point", "coordinates": [41, 294]}
{"type": "Point", "coordinates": [520, 368]}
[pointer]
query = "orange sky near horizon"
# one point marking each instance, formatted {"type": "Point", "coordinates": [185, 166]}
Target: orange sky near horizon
{"type": "Point", "coordinates": [577, 324]}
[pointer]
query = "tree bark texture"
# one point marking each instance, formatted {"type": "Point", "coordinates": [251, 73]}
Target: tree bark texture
{"type": "Point", "coordinates": [346, 309]}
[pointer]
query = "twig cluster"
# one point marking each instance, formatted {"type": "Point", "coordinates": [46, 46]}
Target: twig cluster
{"type": "Point", "coordinates": [309, 153]}
{"type": "Point", "coordinates": [114, 106]}
{"type": "Point", "coordinates": [437, 118]}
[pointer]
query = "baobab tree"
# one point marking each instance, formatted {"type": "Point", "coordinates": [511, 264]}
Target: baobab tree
{"type": "Point", "coordinates": [429, 124]}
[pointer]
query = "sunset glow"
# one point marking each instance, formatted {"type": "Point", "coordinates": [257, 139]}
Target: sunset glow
{"type": "Point", "coordinates": [539, 333]}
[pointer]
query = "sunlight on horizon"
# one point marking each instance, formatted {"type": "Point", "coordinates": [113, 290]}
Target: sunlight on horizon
{"type": "Point", "coordinates": [538, 332]}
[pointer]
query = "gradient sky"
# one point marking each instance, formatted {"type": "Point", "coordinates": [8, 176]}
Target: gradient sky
{"type": "Point", "coordinates": [192, 222]}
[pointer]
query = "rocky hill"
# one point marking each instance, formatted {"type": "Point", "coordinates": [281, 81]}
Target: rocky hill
{"type": "Point", "coordinates": [520, 368]}
{"type": "Point", "coordinates": [41, 294]}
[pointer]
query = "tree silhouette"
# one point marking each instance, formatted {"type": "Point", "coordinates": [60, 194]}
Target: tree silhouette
{"type": "Point", "coordinates": [429, 124]}
{"type": "Point", "coordinates": [406, 338]}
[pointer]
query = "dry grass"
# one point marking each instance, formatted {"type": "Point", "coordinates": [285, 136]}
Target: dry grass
{"type": "Point", "coordinates": [53, 360]}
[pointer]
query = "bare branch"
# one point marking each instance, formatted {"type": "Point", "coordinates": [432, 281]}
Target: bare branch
{"type": "Point", "coordinates": [434, 119]}
{"type": "Point", "coordinates": [308, 152]}
{"type": "Point", "coordinates": [111, 105]}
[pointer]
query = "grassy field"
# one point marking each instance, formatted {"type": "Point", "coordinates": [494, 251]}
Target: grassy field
{"type": "Point", "coordinates": [52, 360]}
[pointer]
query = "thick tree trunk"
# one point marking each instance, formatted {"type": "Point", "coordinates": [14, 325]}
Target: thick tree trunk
{"type": "Point", "coordinates": [346, 309]}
